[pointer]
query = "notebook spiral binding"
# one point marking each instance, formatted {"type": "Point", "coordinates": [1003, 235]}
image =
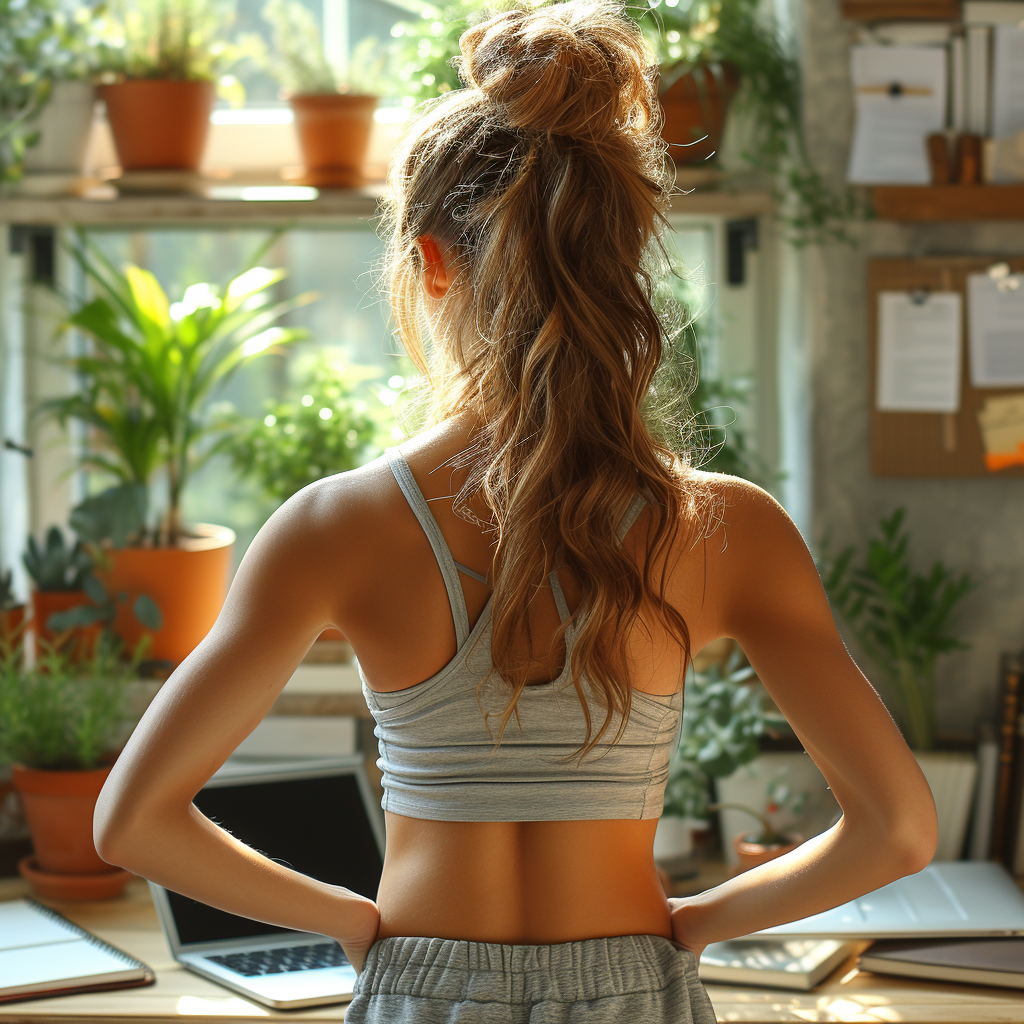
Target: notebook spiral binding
{"type": "Point", "coordinates": [93, 940]}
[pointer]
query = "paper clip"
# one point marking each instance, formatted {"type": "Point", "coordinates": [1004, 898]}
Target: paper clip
{"type": "Point", "coordinates": [919, 296]}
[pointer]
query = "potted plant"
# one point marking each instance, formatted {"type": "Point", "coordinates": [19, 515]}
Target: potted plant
{"type": "Point", "coordinates": [42, 67]}
{"type": "Point", "coordinates": [901, 618]}
{"type": "Point", "coordinates": [61, 723]}
{"type": "Point", "coordinates": [333, 114]}
{"type": "Point", "coordinates": [12, 612]}
{"type": "Point", "coordinates": [326, 428]}
{"type": "Point", "coordinates": [143, 397]}
{"type": "Point", "coordinates": [159, 61]}
{"type": "Point", "coordinates": [724, 717]}
{"type": "Point", "coordinates": [58, 571]}
{"type": "Point", "coordinates": [768, 842]}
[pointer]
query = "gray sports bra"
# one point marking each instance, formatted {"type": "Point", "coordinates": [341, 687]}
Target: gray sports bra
{"type": "Point", "coordinates": [439, 760]}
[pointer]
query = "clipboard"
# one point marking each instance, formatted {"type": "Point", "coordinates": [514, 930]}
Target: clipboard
{"type": "Point", "coordinates": [920, 444]}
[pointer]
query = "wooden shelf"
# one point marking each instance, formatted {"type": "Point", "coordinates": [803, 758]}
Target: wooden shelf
{"type": "Point", "coordinates": [949, 202]}
{"type": "Point", "coordinates": [901, 10]}
{"type": "Point", "coordinates": [268, 205]}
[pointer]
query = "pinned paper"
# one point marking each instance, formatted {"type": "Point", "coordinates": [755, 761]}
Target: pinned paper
{"type": "Point", "coordinates": [919, 351]}
{"type": "Point", "coordinates": [1002, 431]}
{"type": "Point", "coordinates": [995, 323]}
{"type": "Point", "coordinates": [900, 100]}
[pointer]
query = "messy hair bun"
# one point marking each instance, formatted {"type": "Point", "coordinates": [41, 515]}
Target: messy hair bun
{"type": "Point", "coordinates": [545, 183]}
{"type": "Point", "coordinates": [576, 69]}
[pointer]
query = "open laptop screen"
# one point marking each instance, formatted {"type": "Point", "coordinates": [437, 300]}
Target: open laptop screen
{"type": "Point", "coordinates": [318, 826]}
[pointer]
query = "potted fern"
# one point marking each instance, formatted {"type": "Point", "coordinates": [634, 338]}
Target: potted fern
{"type": "Point", "coordinates": [333, 111]}
{"type": "Point", "coordinates": [902, 619]}
{"type": "Point", "coordinates": [145, 387]}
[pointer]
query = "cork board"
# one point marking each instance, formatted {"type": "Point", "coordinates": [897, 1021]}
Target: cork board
{"type": "Point", "coordinates": [922, 444]}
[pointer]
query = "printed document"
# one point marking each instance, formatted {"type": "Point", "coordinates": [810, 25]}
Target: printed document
{"type": "Point", "coordinates": [919, 352]}
{"type": "Point", "coordinates": [900, 96]}
{"type": "Point", "coordinates": [995, 326]}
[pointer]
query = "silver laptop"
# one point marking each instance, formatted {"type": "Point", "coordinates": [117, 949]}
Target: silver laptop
{"type": "Point", "coordinates": [319, 818]}
{"type": "Point", "coordinates": [947, 899]}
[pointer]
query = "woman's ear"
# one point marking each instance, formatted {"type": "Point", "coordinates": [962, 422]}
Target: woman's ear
{"type": "Point", "coordinates": [434, 278]}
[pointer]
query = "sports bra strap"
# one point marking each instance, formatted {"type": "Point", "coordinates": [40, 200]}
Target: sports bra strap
{"type": "Point", "coordinates": [635, 508]}
{"type": "Point", "coordinates": [446, 563]}
{"type": "Point", "coordinates": [631, 513]}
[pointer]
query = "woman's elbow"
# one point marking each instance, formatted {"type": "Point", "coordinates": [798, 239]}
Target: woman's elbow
{"type": "Point", "coordinates": [915, 837]}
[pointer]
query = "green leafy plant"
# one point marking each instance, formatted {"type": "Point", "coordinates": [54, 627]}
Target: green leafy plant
{"type": "Point", "coordinates": [55, 564]}
{"type": "Point", "coordinates": [901, 619]}
{"type": "Point", "coordinates": [41, 41]}
{"type": "Point", "coordinates": [325, 429]}
{"type": "Point", "coordinates": [780, 797]}
{"type": "Point", "coordinates": [724, 718]}
{"type": "Point", "coordinates": [180, 40]}
{"type": "Point", "coordinates": [63, 714]}
{"type": "Point", "coordinates": [297, 59]}
{"type": "Point", "coordinates": [145, 385]}
{"type": "Point", "coordinates": [103, 609]}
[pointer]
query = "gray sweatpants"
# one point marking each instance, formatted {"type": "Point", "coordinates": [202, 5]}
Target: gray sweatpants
{"type": "Point", "coordinates": [633, 979]}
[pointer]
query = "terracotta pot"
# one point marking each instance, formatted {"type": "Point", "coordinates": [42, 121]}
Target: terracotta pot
{"type": "Point", "coordinates": [751, 854]}
{"type": "Point", "coordinates": [187, 582]}
{"type": "Point", "coordinates": [158, 124]}
{"type": "Point", "coordinates": [59, 806]}
{"type": "Point", "coordinates": [334, 133]}
{"type": "Point", "coordinates": [695, 107]}
{"type": "Point", "coordinates": [12, 622]}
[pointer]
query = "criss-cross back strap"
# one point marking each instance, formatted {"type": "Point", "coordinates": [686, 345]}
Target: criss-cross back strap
{"type": "Point", "coordinates": [635, 508]}
{"type": "Point", "coordinates": [446, 563]}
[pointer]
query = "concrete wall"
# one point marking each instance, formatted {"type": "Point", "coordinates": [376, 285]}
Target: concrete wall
{"type": "Point", "coordinates": [971, 524]}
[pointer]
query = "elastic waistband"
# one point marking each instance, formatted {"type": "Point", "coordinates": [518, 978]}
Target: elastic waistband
{"type": "Point", "coordinates": [458, 970]}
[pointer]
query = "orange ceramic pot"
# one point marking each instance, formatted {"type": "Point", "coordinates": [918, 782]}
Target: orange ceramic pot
{"type": "Point", "coordinates": [59, 806]}
{"type": "Point", "coordinates": [334, 133]}
{"type": "Point", "coordinates": [158, 124]}
{"type": "Point", "coordinates": [751, 854]}
{"type": "Point", "coordinates": [694, 109]}
{"type": "Point", "coordinates": [188, 583]}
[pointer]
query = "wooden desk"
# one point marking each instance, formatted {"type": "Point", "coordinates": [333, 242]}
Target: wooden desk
{"type": "Point", "coordinates": [131, 924]}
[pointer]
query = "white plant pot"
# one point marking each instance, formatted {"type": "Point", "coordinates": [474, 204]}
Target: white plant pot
{"type": "Point", "coordinates": [64, 125]}
{"type": "Point", "coordinates": [674, 838]}
{"type": "Point", "coordinates": [951, 777]}
{"type": "Point", "coordinates": [749, 786]}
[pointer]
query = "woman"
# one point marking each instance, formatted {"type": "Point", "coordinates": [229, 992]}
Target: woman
{"type": "Point", "coordinates": [523, 619]}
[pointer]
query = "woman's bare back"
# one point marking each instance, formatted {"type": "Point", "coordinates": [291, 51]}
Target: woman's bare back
{"type": "Point", "coordinates": [508, 882]}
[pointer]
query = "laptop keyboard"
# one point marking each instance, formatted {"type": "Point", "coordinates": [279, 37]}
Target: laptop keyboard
{"type": "Point", "coordinates": [283, 959]}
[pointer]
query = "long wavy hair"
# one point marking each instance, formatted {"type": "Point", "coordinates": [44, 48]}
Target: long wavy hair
{"type": "Point", "coordinates": [544, 181]}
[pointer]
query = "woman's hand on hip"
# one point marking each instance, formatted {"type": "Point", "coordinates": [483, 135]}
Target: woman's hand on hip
{"type": "Point", "coordinates": [361, 927]}
{"type": "Point", "coordinates": [684, 926]}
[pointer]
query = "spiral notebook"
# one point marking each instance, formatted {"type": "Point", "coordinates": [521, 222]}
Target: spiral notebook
{"type": "Point", "coordinates": [42, 953]}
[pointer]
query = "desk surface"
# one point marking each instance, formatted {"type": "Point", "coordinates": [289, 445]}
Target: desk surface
{"type": "Point", "coordinates": [131, 924]}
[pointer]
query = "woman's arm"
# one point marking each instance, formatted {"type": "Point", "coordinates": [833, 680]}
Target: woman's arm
{"type": "Point", "coordinates": [282, 597]}
{"type": "Point", "coordinates": [767, 595]}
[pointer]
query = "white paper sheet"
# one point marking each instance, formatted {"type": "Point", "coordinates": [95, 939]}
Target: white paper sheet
{"type": "Point", "coordinates": [918, 352]}
{"type": "Point", "coordinates": [995, 325]}
{"type": "Point", "coordinates": [889, 136]}
{"type": "Point", "coordinates": [1008, 81]}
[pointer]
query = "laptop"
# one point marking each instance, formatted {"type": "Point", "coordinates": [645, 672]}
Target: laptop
{"type": "Point", "coordinates": [319, 818]}
{"type": "Point", "coordinates": [947, 899]}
